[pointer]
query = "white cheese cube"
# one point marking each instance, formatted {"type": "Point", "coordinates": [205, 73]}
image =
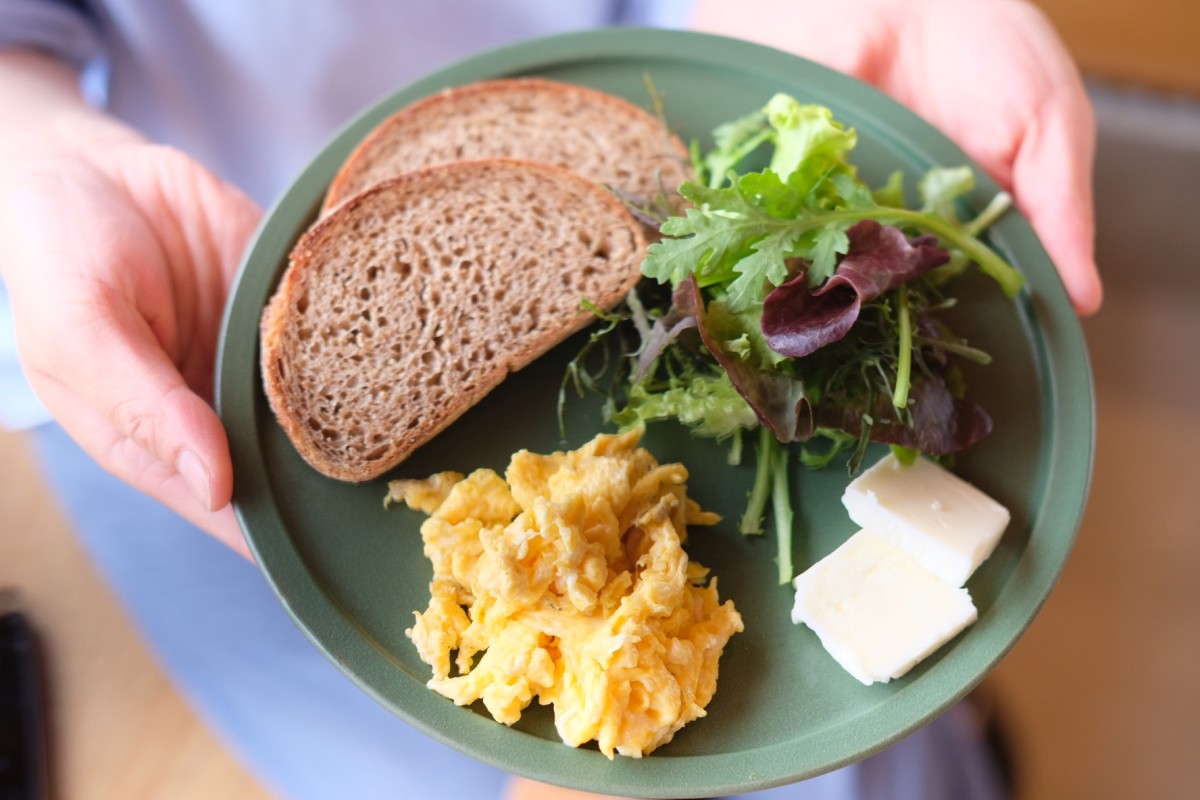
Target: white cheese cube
{"type": "Point", "coordinates": [876, 610]}
{"type": "Point", "coordinates": [937, 517]}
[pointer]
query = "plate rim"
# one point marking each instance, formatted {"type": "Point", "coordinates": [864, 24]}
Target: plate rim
{"type": "Point", "coordinates": [1046, 311]}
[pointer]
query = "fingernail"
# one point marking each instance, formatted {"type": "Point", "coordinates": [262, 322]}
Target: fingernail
{"type": "Point", "coordinates": [192, 469]}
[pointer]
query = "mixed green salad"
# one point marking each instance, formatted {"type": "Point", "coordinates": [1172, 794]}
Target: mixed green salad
{"type": "Point", "coordinates": [796, 302]}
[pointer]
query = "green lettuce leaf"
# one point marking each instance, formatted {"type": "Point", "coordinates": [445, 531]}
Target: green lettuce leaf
{"type": "Point", "coordinates": [707, 404]}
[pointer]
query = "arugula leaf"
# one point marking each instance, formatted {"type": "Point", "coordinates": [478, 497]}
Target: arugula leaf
{"type": "Point", "coordinates": [733, 142]}
{"type": "Point", "coordinates": [768, 192]}
{"type": "Point", "coordinates": [733, 234]}
{"type": "Point", "coordinates": [722, 228]}
{"type": "Point", "coordinates": [743, 234]}
{"type": "Point", "coordinates": [941, 187]}
{"type": "Point", "coordinates": [764, 267]}
{"type": "Point", "coordinates": [892, 192]}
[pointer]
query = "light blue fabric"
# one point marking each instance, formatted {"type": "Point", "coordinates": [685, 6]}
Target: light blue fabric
{"type": "Point", "coordinates": [253, 89]}
{"type": "Point", "coordinates": [19, 406]}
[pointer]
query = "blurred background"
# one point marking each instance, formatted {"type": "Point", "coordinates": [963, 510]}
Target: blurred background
{"type": "Point", "coordinates": [1099, 698]}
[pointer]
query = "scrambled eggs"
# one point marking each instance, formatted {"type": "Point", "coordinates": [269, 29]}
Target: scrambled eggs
{"type": "Point", "coordinates": [567, 581]}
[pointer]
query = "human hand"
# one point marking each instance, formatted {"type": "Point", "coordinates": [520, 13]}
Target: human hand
{"type": "Point", "coordinates": [118, 255]}
{"type": "Point", "coordinates": [990, 74]}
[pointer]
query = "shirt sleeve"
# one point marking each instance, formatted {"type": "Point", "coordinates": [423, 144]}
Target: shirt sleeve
{"type": "Point", "coordinates": [65, 28]}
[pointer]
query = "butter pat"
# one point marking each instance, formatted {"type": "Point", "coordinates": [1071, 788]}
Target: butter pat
{"type": "Point", "coordinates": [942, 521]}
{"type": "Point", "coordinates": [876, 610]}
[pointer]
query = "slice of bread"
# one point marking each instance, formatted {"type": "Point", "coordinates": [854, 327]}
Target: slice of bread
{"type": "Point", "coordinates": [414, 299]}
{"type": "Point", "coordinates": [600, 136]}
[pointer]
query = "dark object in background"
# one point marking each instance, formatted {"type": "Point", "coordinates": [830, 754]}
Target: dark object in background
{"type": "Point", "coordinates": [23, 773]}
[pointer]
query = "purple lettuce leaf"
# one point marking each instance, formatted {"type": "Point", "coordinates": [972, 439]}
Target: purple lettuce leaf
{"type": "Point", "coordinates": [778, 400]}
{"type": "Point", "coordinates": [666, 329]}
{"type": "Point", "coordinates": [797, 321]}
{"type": "Point", "coordinates": [941, 423]}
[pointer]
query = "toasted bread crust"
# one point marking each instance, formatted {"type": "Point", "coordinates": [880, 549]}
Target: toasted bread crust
{"type": "Point", "coordinates": [600, 136]}
{"type": "Point", "coordinates": [412, 300]}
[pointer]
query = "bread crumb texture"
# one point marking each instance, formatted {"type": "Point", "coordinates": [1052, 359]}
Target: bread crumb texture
{"type": "Point", "coordinates": [602, 137]}
{"type": "Point", "coordinates": [417, 297]}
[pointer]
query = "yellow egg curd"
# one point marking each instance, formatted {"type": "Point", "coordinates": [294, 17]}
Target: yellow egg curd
{"type": "Point", "coordinates": [566, 581]}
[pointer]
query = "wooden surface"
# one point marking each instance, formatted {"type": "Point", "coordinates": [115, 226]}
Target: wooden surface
{"type": "Point", "coordinates": [1154, 44]}
{"type": "Point", "coordinates": [117, 728]}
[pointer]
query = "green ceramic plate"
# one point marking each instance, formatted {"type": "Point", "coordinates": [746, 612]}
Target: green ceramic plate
{"type": "Point", "coordinates": [351, 573]}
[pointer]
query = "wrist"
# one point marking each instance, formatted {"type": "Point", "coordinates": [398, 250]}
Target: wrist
{"type": "Point", "coordinates": [46, 111]}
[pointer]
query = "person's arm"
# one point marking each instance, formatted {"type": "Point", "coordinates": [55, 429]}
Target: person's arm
{"type": "Point", "coordinates": [118, 255]}
{"type": "Point", "coordinates": [991, 74]}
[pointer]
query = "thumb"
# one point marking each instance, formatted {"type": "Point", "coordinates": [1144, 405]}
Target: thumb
{"type": "Point", "coordinates": [1052, 185]}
